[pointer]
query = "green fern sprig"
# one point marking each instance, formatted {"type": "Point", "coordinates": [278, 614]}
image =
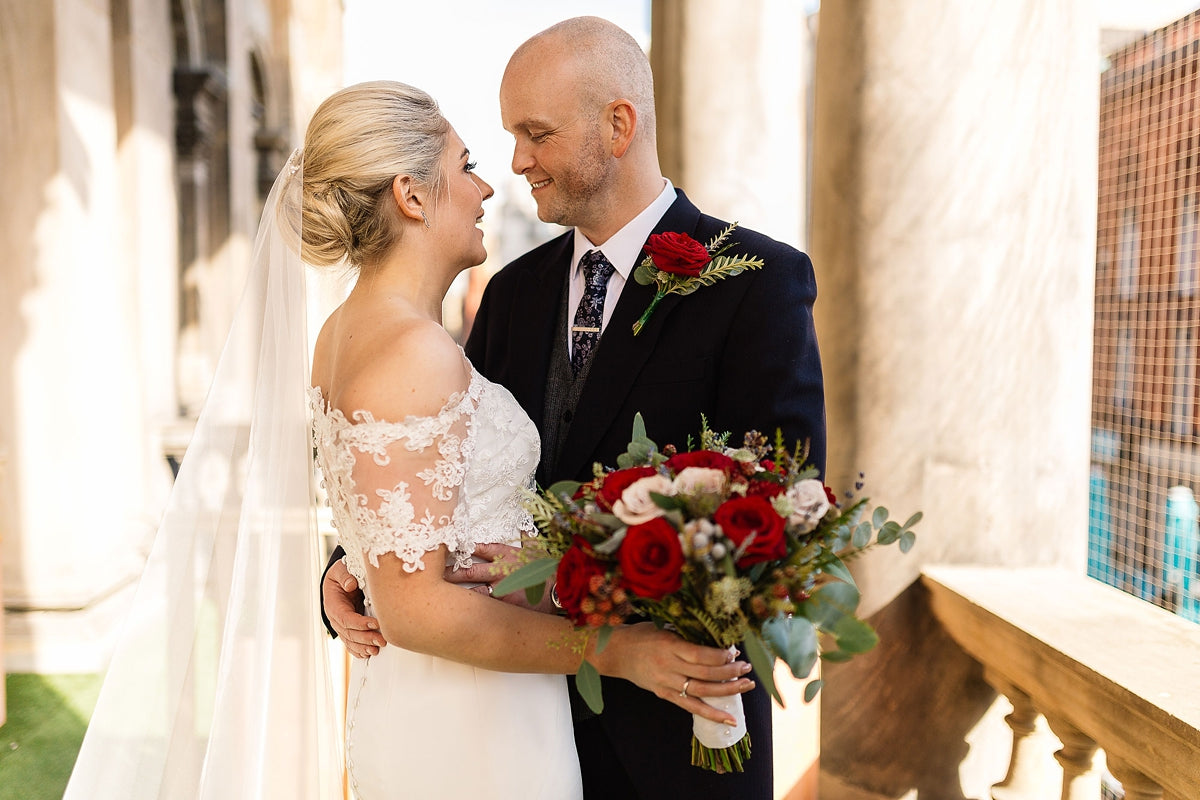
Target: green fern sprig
{"type": "Point", "coordinates": [719, 268]}
{"type": "Point", "coordinates": [718, 244]}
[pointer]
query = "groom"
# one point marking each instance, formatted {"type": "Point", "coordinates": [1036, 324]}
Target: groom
{"type": "Point", "coordinates": [578, 99]}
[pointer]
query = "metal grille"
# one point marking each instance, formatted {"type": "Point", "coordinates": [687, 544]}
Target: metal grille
{"type": "Point", "coordinates": [1145, 414]}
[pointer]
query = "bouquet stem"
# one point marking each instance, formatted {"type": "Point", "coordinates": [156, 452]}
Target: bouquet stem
{"type": "Point", "coordinates": [724, 759]}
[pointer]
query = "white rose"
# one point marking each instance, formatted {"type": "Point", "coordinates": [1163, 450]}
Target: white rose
{"type": "Point", "coordinates": [700, 480]}
{"type": "Point", "coordinates": [636, 506]}
{"type": "Point", "coordinates": [809, 504]}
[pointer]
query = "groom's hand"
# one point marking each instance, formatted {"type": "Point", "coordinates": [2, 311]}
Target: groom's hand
{"type": "Point", "coordinates": [343, 602]}
{"type": "Point", "coordinates": [492, 563]}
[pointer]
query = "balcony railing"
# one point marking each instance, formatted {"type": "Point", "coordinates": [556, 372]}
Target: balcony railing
{"type": "Point", "coordinates": [1107, 672]}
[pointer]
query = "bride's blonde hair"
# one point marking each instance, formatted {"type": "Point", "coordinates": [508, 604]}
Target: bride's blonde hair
{"type": "Point", "coordinates": [357, 142]}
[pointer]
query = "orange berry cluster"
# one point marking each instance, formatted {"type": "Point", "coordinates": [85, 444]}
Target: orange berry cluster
{"type": "Point", "coordinates": [606, 603]}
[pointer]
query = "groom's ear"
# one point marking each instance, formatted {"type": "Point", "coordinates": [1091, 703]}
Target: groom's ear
{"type": "Point", "coordinates": [407, 197]}
{"type": "Point", "coordinates": [622, 117]}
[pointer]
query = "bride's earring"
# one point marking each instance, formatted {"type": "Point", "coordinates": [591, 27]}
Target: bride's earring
{"type": "Point", "coordinates": [425, 218]}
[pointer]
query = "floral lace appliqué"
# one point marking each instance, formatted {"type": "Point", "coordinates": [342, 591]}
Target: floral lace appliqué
{"type": "Point", "coordinates": [452, 479]}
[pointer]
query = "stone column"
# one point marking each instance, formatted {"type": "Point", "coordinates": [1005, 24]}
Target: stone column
{"type": "Point", "coordinates": [731, 89]}
{"type": "Point", "coordinates": [731, 86]}
{"type": "Point", "coordinates": [954, 215]}
{"type": "Point", "coordinates": [70, 379]}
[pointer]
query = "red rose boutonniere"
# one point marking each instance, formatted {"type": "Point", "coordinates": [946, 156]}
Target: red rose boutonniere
{"type": "Point", "coordinates": [680, 265]}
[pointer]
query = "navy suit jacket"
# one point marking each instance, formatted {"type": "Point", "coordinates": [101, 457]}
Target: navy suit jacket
{"type": "Point", "coordinates": [743, 352]}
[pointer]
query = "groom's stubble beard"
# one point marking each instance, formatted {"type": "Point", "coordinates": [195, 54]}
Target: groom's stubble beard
{"type": "Point", "coordinates": [580, 190]}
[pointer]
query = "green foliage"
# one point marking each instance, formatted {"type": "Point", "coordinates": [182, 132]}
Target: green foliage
{"type": "Point", "coordinates": [587, 683]}
{"type": "Point", "coordinates": [794, 639]}
{"type": "Point", "coordinates": [763, 661]}
{"type": "Point", "coordinates": [535, 573]}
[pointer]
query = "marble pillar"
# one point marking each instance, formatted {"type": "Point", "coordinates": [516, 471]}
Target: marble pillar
{"type": "Point", "coordinates": [954, 214]}
{"type": "Point", "coordinates": [77, 477]}
{"type": "Point", "coordinates": [732, 84]}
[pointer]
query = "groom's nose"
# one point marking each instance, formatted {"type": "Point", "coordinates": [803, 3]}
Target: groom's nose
{"type": "Point", "coordinates": [522, 160]}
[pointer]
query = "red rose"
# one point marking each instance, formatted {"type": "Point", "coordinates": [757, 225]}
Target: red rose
{"type": "Point", "coordinates": [651, 559]}
{"type": "Point", "coordinates": [575, 572]}
{"type": "Point", "coordinates": [741, 516]}
{"type": "Point", "coordinates": [616, 482]}
{"type": "Point", "coordinates": [702, 458]}
{"type": "Point", "coordinates": [765, 488]}
{"type": "Point", "coordinates": [677, 253]}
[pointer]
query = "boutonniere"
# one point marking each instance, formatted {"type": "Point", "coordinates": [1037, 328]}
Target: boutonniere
{"type": "Point", "coordinates": [680, 265]}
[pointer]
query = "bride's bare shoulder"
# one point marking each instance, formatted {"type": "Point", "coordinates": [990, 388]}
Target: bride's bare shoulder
{"type": "Point", "coordinates": [409, 367]}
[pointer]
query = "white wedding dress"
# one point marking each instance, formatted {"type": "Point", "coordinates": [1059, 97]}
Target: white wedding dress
{"type": "Point", "coordinates": [419, 726]}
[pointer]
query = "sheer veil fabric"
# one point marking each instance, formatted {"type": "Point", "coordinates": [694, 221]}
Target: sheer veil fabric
{"type": "Point", "coordinates": [219, 686]}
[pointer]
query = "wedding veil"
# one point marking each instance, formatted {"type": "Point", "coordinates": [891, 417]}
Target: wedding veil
{"type": "Point", "coordinates": [219, 686]}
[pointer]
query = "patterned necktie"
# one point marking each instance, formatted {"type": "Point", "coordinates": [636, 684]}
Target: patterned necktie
{"type": "Point", "coordinates": [585, 332]}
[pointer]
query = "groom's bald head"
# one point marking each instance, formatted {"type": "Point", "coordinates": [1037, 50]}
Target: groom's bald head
{"type": "Point", "coordinates": [597, 62]}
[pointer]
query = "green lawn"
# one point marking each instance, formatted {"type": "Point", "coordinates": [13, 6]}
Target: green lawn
{"type": "Point", "coordinates": [47, 715]}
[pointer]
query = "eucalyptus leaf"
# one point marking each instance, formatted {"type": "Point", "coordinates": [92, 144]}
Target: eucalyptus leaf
{"type": "Point", "coordinates": [794, 639]}
{"type": "Point", "coordinates": [602, 637]}
{"type": "Point", "coordinates": [862, 535]}
{"type": "Point", "coordinates": [830, 603]}
{"type": "Point", "coordinates": [913, 520]}
{"type": "Point", "coordinates": [587, 683]}
{"type": "Point", "coordinates": [607, 520]}
{"type": "Point", "coordinates": [835, 567]}
{"type": "Point", "coordinates": [534, 593]}
{"type": "Point", "coordinates": [811, 689]}
{"type": "Point", "coordinates": [639, 427]}
{"type": "Point", "coordinates": [668, 502]}
{"type": "Point", "coordinates": [836, 656]}
{"type": "Point", "coordinates": [879, 517]}
{"type": "Point", "coordinates": [889, 533]}
{"type": "Point", "coordinates": [853, 635]}
{"type": "Point", "coordinates": [763, 663]}
{"type": "Point", "coordinates": [610, 545]}
{"type": "Point", "coordinates": [565, 489]}
{"type": "Point", "coordinates": [531, 574]}
{"type": "Point", "coordinates": [907, 540]}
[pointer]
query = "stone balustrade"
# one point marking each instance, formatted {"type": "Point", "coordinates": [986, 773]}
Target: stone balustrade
{"type": "Point", "coordinates": [1107, 672]}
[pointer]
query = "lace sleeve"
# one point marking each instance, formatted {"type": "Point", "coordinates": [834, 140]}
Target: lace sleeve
{"type": "Point", "coordinates": [401, 483]}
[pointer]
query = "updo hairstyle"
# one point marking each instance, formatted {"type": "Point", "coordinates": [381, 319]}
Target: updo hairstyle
{"type": "Point", "coordinates": [357, 142]}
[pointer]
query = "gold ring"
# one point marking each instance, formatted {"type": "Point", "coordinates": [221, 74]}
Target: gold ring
{"type": "Point", "coordinates": [686, 684]}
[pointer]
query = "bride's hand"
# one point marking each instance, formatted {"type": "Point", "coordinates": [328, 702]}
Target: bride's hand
{"type": "Point", "coordinates": [661, 662]}
{"type": "Point", "coordinates": [342, 601]}
{"type": "Point", "coordinates": [492, 564]}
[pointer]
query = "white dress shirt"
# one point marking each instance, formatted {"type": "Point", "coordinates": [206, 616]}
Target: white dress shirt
{"type": "Point", "coordinates": [623, 250]}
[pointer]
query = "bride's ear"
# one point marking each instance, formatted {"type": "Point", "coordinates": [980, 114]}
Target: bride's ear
{"type": "Point", "coordinates": [408, 198]}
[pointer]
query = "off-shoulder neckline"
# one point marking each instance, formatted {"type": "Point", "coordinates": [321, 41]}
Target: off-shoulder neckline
{"type": "Point", "coordinates": [362, 416]}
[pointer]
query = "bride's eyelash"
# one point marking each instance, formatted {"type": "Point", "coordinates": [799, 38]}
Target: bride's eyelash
{"type": "Point", "coordinates": [470, 166]}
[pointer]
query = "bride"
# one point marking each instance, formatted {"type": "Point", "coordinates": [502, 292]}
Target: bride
{"type": "Point", "coordinates": [219, 686]}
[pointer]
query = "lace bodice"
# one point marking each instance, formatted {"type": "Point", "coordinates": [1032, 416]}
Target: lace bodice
{"type": "Point", "coordinates": [408, 487]}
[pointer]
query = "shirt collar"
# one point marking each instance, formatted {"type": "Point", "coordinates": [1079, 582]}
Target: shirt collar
{"type": "Point", "coordinates": [624, 248]}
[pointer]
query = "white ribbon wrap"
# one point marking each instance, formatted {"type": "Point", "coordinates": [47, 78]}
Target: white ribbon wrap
{"type": "Point", "coordinates": [718, 735]}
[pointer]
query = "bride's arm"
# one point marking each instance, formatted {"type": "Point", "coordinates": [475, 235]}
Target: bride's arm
{"type": "Point", "coordinates": [420, 611]}
{"type": "Point", "coordinates": [409, 488]}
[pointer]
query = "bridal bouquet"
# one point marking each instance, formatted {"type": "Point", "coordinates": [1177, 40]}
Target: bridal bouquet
{"type": "Point", "coordinates": [722, 545]}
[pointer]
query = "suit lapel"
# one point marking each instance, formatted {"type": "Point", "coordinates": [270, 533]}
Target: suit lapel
{"type": "Point", "coordinates": [534, 317]}
{"type": "Point", "coordinates": [620, 355]}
